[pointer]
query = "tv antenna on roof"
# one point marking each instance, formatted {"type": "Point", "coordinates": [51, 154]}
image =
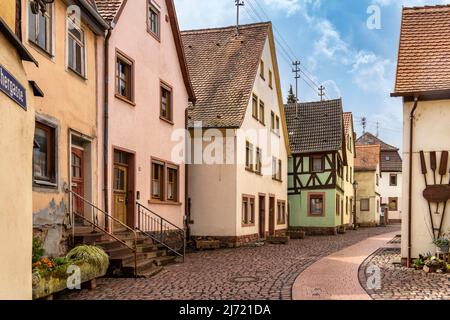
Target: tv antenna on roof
{"type": "Point", "coordinates": [238, 4]}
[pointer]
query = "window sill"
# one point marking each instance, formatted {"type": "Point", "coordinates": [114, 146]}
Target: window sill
{"type": "Point", "coordinates": [45, 184]}
{"type": "Point", "coordinates": [249, 170]}
{"type": "Point", "coordinates": [41, 50]}
{"type": "Point", "coordinates": [262, 77]}
{"type": "Point", "coordinates": [248, 225]}
{"type": "Point", "coordinates": [164, 203]}
{"type": "Point", "coordinates": [275, 133]}
{"type": "Point", "coordinates": [76, 73]}
{"type": "Point", "coordinates": [118, 96]}
{"type": "Point", "coordinates": [166, 120]}
{"type": "Point", "coordinates": [154, 35]}
{"type": "Point", "coordinates": [278, 180]}
{"type": "Point", "coordinates": [316, 216]}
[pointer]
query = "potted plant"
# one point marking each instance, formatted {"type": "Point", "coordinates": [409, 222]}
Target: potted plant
{"type": "Point", "coordinates": [442, 245]}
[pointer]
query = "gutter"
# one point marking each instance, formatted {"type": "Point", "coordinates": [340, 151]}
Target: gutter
{"type": "Point", "coordinates": [106, 121]}
{"type": "Point", "coordinates": [95, 14]}
{"type": "Point", "coordinates": [411, 144]}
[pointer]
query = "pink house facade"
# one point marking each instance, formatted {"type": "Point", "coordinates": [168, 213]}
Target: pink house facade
{"type": "Point", "coordinates": [141, 112]}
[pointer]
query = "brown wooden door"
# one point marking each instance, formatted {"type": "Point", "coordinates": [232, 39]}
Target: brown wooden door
{"type": "Point", "coordinates": [78, 179]}
{"type": "Point", "coordinates": [271, 216]}
{"type": "Point", "coordinates": [262, 217]}
{"type": "Point", "coordinates": [120, 194]}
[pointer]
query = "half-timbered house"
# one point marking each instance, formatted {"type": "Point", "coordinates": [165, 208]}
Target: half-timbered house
{"type": "Point", "coordinates": [316, 167]}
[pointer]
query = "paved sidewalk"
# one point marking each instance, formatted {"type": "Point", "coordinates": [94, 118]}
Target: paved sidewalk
{"type": "Point", "coordinates": [335, 277]}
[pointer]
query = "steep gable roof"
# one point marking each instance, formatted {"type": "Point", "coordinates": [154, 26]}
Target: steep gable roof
{"type": "Point", "coordinates": [111, 9]}
{"type": "Point", "coordinates": [424, 51]}
{"type": "Point", "coordinates": [315, 126]}
{"type": "Point", "coordinates": [348, 122]}
{"type": "Point", "coordinates": [223, 68]}
{"type": "Point", "coordinates": [370, 139]}
{"type": "Point", "coordinates": [367, 157]}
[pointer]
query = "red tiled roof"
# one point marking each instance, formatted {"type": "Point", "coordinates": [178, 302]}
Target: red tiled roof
{"type": "Point", "coordinates": [108, 8]}
{"type": "Point", "coordinates": [424, 50]}
{"type": "Point", "coordinates": [223, 68]}
{"type": "Point", "coordinates": [348, 121]}
{"type": "Point", "coordinates": [369, 139]}
{"type": "Point", "coordinates": [367, 157]}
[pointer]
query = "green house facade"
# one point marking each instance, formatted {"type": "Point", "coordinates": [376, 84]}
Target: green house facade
{"type": "Point", "coordinates": [317, 168]}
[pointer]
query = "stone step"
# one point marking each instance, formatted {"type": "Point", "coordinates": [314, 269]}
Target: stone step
{"type": "Point", "coordinates": [145, 265]}
{"type": "Point", "coordinates": [128, 258]}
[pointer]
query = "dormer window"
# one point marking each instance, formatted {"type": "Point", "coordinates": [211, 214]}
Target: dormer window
{"type": "Point", "coordinates": [388, 158]}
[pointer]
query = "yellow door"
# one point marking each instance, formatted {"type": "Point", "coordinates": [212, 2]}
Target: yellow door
{"type": "Point", "coordinates": [120, 195]}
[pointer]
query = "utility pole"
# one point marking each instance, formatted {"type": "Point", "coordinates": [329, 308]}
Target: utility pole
{"type": "Point", "coordinates": [239, 4]}
{"type": "Point", "coordinates": [364, 124]}
{"type": "Point", "coordinates": [296, 70]}
{"type": "Point", "coordinates": [321, 92]}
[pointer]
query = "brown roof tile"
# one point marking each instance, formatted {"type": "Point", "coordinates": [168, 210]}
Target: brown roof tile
{"type": "Point", "coordinates": [367, 157]}
{"type": "Point", "coordinates": [348, 122]}
{"type": "Point", "coordinates": [370, 139]}
{"type": "Point", "coordinates": [108, 8]}
{"type": "Point", "coordinates": [315, 126]}
{"type": "Point", "coordinates": [223, 69]}
{"type": "Point", "coordinates": [391, 161]}
{"type": "Point", "coordinates": [424, 50]}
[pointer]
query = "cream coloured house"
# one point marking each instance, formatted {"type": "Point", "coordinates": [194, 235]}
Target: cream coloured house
{"type": "Point", "coordinates": [423, 82]}
{"type": "Point", "coordinates": [367, 175]}
{"type": "Point", "coordinates": [390, 176]}
{"type": "Point", "coordinates": [349, 169]}
{"type": "Point", "coordinates": [237, 179]}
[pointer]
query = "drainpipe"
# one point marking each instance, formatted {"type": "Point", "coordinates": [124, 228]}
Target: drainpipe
{"type": "Point", "coordinates": [106, 124]}
{"type": "Point", "coordinates": [411, 144]}
{"type": "Point", "coordinates": [187, 201]}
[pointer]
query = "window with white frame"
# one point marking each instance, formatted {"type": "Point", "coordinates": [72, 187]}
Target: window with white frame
{"type": "Point", "coordinates": [40, 27]}
{"type": "Point", "coordinates": [75, 48]}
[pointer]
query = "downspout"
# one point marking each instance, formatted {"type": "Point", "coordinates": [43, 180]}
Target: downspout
{"type": "Point", "coordinates": [411, 144]}
{"type": "Point", "coordinates": [187, 201]}
{"type": "Point", "coordinates": [106, 124]}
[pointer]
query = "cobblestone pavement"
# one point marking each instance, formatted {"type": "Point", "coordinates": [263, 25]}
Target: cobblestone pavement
{"type": "Point", "coordinates": [400, 283]}
{"type": "Point", "coordinates": [258, 273]}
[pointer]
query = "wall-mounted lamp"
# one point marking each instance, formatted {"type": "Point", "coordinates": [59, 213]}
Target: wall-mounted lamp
{"type": "Point", "coordinates": [39, 5]}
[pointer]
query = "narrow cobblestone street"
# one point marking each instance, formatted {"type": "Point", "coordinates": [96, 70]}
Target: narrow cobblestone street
{"type": "Point", "coordinates": [259, 273]}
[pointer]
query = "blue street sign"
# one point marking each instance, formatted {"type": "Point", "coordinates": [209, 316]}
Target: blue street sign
{"type": "Point", "coordinates": [12, 88]}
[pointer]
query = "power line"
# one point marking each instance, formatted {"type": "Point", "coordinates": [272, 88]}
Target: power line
{"type": "Point", "coordinates": [284, 48]}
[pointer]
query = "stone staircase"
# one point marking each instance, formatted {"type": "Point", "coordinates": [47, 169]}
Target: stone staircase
{"type": "Point", "coordinates": [151, 257]}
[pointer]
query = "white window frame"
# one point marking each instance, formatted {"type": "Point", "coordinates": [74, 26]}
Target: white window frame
{"type": "Point", "coordinates": [51, 33]}
{"type": "Point", "coordinates": [83, 74]}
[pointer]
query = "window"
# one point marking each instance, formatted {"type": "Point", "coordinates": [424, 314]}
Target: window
{"type": "Point", "coordinates": [272, 121]}
{"type": "Point", "coordinates": [342, 206]}
{"type": "Point", "coordinates": [316, 205]}
{"type": "Point", "coordinates": [270, 79]}
{"type": "Point", "coordinates": [75, 48]}
{"type": "Point", "coordinates": [317, 164]}
{"type": "Point", "coordinates": [40, 28]}
{"type": "Point", "coordinates": [393, 180]}
{"type": "Point", "coordinates": [276, 169]}
{"type": "Point", "coordinates": [365, 205]}
{"type": "Point", "coordinates": [44, 151]}
{"type": "Point", "coordinates": [346, 173]}
{"type": "Point", "coordinates": [157, 180]}
{"type": "Point", "coordinates": [346, 205]}
{"type": "Point", "coordinates": [377, 178]}
{"type": "Point", "coordinates": [261, 112]}
{"type": "Point", "coordinates": [124, 78]}
{"type": "Point", "coordinates": [338, 205]}
{"type": "Point", "coordinates": [172, 184]}
{"type": "Point", "coordinates": [281, 214]}
{"type": "Point", "coordinates": [248, 210]}
{"type": "Point", "coordinates": [388, 158]}
{"type": "Point", "coordinates": [261, 70]}
{"type": "Point", "coordinates": [258, 163]}
{"type": "Point", "coordinates": [153, 20]}
{"type": "Point", "coordinates": [255, 106]}
{"type": "Point", "coordinates": [166, 103]}
{"type": "Point", "coordinates": [249, 156]}
{"type": "Point", "coordinates": [393, 204]}
{"type": "Point", "coordinates": [351, 174]}
{"type": "Point", "coordinates": [378, 206]}
{"type": "Point", "coordinates": [277, 125]}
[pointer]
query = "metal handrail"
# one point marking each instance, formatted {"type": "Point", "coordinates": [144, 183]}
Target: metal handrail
{"type": "Point", "coordinates": [163, 225]}
{"type": "Point", "coordinates": [96, 226]}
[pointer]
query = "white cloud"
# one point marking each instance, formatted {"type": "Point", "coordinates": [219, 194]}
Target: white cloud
{"type": "Point", "coordinates": [332, 89]}
{"type": "Point", "coordinates": [289, 6]}
{"type": "Point", "coordinates": [409, 3]}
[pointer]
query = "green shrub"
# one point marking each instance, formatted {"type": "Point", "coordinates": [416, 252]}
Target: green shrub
{"type": "Point", "coordinates": [38, 250]}
{"type": "Point", "coordinates": [89, 254]}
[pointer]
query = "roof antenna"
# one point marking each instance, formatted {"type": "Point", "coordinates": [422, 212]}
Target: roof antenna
{"type": "Point", "coordinates": [239, 4]}
{"type": "Point", "coordinates": [321, 92]}
{"type": "Point", "coordinates": [378, 129]}
{"type": "Point", "coordinates": [364, 124]}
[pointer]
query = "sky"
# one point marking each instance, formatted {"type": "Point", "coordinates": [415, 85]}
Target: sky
{"type": "Point", "coordinates": [335, 45]}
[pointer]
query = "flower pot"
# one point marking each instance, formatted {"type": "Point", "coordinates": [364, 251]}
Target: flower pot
{"type": "Point", "coordinates": [442, 250]}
